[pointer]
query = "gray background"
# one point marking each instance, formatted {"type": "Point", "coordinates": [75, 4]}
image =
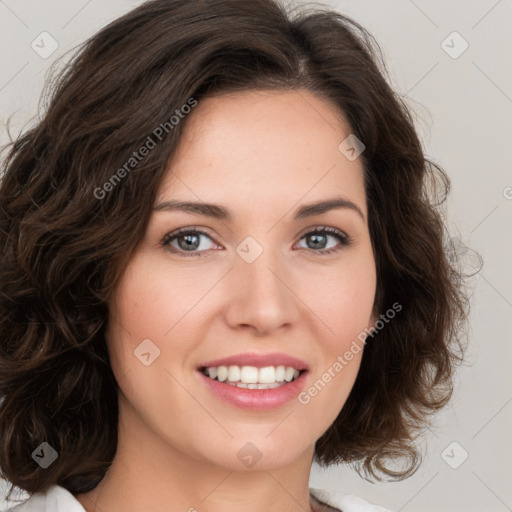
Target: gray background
{"type": "Point", "coordinates": [463, 109]}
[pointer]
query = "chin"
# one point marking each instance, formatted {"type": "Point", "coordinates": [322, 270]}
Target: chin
{"type": "Point", "coordinates": [260, 453]}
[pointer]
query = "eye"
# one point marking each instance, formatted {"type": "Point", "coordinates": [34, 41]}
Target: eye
{"type": "Point", "coordinates": [189, 241]}
{"type": "Point", "coordinates": [319, 236]}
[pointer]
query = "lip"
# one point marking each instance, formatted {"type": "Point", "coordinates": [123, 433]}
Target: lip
{"type": "Point", "coordinates": [255, 399]}
{"type": "Point", "coordinates": [258, 360]}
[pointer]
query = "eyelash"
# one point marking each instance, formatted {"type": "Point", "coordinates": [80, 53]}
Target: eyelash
{"type": "Point", "coordinates": [344, 240]}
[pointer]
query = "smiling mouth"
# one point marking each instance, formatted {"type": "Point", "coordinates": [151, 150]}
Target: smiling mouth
{"type": "Point", "coordinates": [252, 377]}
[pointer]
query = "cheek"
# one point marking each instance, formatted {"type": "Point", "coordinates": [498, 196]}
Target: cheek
{"type": "Point", "coordinates": [344, 299]}
{"type": "Point", "coordinates": [137, 315]}
{"type": "Point", "coordinates": [345, 307]}
{"type": "Point", "coordinates": [143, 317]}
{"type": "Point", "coordinates": [153, 298]}
{"type": "Point", "coordinates": [153, 306]}
{"type": "Point", "coordinates": [344, 304]}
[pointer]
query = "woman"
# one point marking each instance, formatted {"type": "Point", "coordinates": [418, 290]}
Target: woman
{"type": "Point", "coordinates": [221, 262]}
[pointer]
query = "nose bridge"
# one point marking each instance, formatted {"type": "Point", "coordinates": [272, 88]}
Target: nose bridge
{"type": "Point", "coordinates": [260, 293]}
{"type": "Point", "coordinates": [257, 265]}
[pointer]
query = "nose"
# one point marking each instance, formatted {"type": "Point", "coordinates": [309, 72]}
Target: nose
{"type": "Point", "coordinates": [261, 295]}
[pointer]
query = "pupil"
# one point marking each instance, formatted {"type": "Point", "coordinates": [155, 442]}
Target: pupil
{"type": "Point", "coordinates": [315, 238]}
{"type": "Point", "coordinates": [188, 243]}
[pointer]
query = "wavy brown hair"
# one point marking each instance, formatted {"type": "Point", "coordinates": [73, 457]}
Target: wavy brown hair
{"type": "Point", "coordinates": [64, 249]}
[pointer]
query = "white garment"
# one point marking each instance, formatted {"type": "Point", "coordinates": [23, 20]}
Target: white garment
{"type": "Point", "coordinates": [59, 499]}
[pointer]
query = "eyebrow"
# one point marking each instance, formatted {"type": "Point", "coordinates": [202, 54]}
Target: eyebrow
{"type": "Point", "coordinates": [219, 212]}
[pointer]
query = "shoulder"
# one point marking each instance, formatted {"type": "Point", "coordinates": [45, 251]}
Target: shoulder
{"type": "Point", "coordinates": [55, 499]}
{"type": "Point", "coordinates": [345, 502]}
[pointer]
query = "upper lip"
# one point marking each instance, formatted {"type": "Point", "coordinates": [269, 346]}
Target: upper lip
{"type": "Point", "coordinates": [258, 360]}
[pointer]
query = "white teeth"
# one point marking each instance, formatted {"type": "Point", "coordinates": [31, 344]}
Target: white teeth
{"type": "Point", "coordinates": [249, 374]}
{"type": "Point", "coordinates": [251, 377]}
{"type": "Point", "coordinates": [233, 373]}
{"type": "Point", "coordinates": [222, 373]}
{"type": "Point", "coordinates": [267, 375]}
{"type": "Point", "coordinates": [288, 374]}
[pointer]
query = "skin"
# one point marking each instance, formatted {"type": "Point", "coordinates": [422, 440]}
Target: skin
{"type": "Point", "coordinates": [260, 154]}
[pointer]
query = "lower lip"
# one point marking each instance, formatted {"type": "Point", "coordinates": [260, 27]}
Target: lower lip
{"type": "Point", "coordinates": [256, 399]}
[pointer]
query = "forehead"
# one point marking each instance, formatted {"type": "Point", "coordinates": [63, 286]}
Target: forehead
{"type": "Point", "coordinates": [263, 148]}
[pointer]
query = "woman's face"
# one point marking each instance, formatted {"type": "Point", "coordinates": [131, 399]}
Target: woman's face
{"type": "Point", "coordinates": [259, 282]}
